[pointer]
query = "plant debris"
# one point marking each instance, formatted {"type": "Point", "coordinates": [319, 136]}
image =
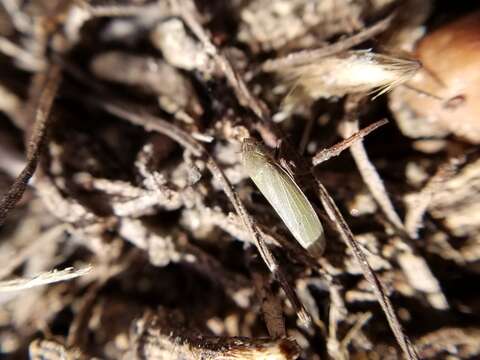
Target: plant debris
{"type": "Point", "coordinates": [121, 164]}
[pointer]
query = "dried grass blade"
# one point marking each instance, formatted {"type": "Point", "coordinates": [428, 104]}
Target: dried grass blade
{"type": "Point", "coordinates": [46, 278]}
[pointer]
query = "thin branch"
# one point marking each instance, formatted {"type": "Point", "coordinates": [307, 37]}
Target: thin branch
{"type": "Point", "coordinates": [335, 215]}
{"type": "Point", "coordinates": [310, 55]}
{"type": "Point", "coordinates": [35, 144]}
{"type": "Point", "coordinates": [335, 150]}
{"type": "Point", "coordinates": [43, 279]}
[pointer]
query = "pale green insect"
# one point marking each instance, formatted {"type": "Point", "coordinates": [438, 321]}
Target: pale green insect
{"type": "Point", "coordinates": [284, 196]}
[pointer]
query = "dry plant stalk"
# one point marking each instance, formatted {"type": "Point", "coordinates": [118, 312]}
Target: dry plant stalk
{"type": "Point", "coordinates": [378, 288]}
{"type": "Point", "coordinates": [36, 142]}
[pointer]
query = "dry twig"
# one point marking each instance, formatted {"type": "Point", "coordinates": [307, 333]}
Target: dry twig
{"type": "Point", "coordinates": [335, 150]}
{"type": "Point", "coordinates": [378, 288]}
{"type": "Point", "coordinates": [36, 142]}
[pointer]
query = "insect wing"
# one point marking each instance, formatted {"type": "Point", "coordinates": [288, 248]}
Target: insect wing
{"type": "Point", "coordinates": [291, 204]}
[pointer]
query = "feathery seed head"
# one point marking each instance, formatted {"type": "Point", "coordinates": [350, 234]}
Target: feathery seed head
{"type": "Point", "coordinates": [346, 73]}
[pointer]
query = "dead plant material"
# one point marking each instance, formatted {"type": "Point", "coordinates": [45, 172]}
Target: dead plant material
{"type": "Point", "coordinates": [156, 124]}
{"type": "Point", "coordinates": [308, 56]}
{"type": "Point", "coordinates": [36, 141]}
{"type": "Point", "coordinates": [351, 72]}
{"type": "Point", "coordinates": [335, 150]}
{"type": "Point", "coordinates": [43, 279]}
{"type": "Point", "coordinates": [378, 288]}
{"type": "Point", "coordinates": [272, 25]}
{"type": "Point", "coordinates": [159, 337]}
{"type": "Point", "coordinates": [335, 216]}
{"type": "Point", "coordinates": [53, 350]}
{"type": "Point", "coordinates": [142, 177]}
{"type": "Point", "coordinates": [369, 174]}
{"type": "Point", "coordinates": [418, 203]}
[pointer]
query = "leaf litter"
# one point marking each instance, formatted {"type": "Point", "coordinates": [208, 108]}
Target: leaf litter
{"type": "Point", "coordinates": [131, 116]}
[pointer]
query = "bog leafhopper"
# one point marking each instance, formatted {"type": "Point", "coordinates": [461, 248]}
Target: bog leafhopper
{"type": "Point", "coordinates": [284, 195]}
